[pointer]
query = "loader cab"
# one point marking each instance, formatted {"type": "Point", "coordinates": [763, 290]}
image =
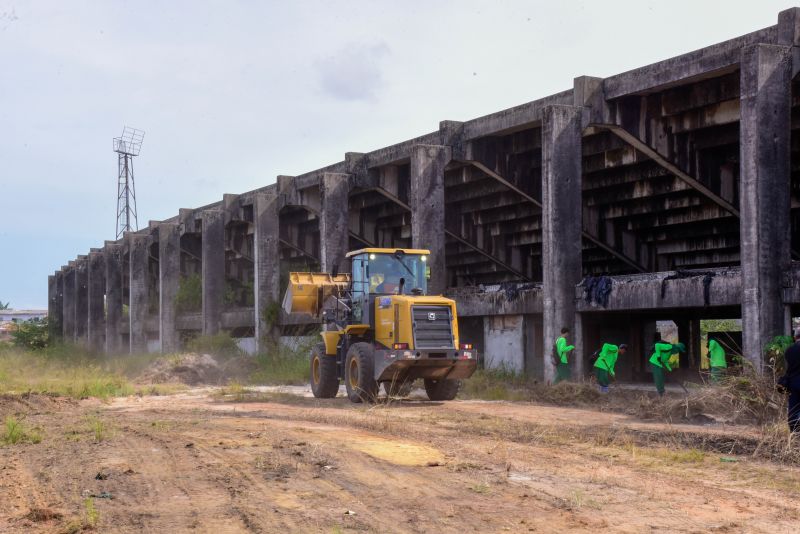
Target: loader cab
{"type": "Point", "coordinates": [385, 272]}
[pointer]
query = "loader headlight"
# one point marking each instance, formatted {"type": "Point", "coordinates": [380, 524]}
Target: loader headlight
{"type": "Point", "coordinates": [372, 256]}
{"type": "Point", "coordinates": [423, 258]}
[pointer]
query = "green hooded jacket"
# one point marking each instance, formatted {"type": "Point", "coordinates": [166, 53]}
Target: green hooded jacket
{"type": "Point", "coordinates": [562, 348]}
{"type": "Point", "coordinates": [660, 357]}
{"type": "Point", "coordinates": [716, 354]}
{"type": "Point", "coordinates": [607, 358]}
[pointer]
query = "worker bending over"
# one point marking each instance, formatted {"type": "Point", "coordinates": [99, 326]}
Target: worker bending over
{"type": "Point", "coordinates": [562, 351]}
{"type": "Point", "coordinates": [604, 365]}
{"type": "Point", "coordinates": [716, 356]}
{"type": "Point", "coordinates": [660, 361]}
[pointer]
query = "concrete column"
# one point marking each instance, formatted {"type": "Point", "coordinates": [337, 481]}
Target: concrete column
{"type": "Point", "coordinates": [427, 209]}
{"type": "Point", "coordinates": [561, 224]}
{"type": "Point", "coordinates": [112, 254]}
{"type": "Point", "coordinates": [138, 290]}
{"type": "Point", "coordinates": [766, 76]}
{"type": "Point", "coordinates": [55, 306]}
{"type": "Point", "coordinates": [267, 266]}
{"type": "Point", "coordinates": [96, 330]}
{"type": "Point", "coordinates": [334, 237]}
{"type": "Point", "coordinates": [169, 278]}
{"type": "Point", "coordinates": [213, 269]}
{"type": "Point", "coordinates": [81, 299]}
{"type": "Point", "coordinates": [69, 303]}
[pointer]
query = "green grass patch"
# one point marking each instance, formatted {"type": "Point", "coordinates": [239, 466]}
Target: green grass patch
{"type": "Point", "coordinates": [69, 371]}
{"type": "Point", "coordinates": [14, 432]}
{"type": "Point", "coordinates": [282, 365]}
{"type": "Point", "coordinates": [495, 384]}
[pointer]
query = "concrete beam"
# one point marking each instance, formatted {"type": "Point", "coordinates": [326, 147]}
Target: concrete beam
{"type": "Point", "coordinates": [169, 277]}
{"type": "Point", "coordinates": [428, 163]}
{"type": "Point", "coordinates": [69, 303]}
{"type": "Point", "coordinates": [213, 269]}
{"type": "Point", "coordinates": [765, 175]}
{"type": "Point", "coordinates": [81, 299]}
{"type": "Point", "coordinates": [112, 253]}
{"type": "Point", "coordinates": [333, 223]}
{"type": "Point", "coordinates": [267, 267]}
{"type": "Point", "coordinates": [683, 69]}
{"type": "Point", "coordinates": [514, 119]}
{"type": "Point", "coordinates": [486, 255]}
{"type": "Point", "coordinates": [138, 290]}
{"type": "Point", "coordinates": [561, 224]}
{"type": "Point", "coordinates": [55, 311]}
{"type": "Point", "coordinates": [96, 332]}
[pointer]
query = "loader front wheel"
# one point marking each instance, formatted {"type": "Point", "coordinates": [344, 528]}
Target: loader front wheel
{"type": "Point", "coordinates": [442, 390]}
{"type": "Point", "coordinates": [324, 381]}
{"type": "Point", "coordinates": [359, 373]}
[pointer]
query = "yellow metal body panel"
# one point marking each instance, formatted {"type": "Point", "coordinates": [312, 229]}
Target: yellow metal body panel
{"type": "Point", "coordinates": [387, 251]}
{"type": "Point", "coordinates": [307, 292]}
{"type": "Point", "coordinates": [331, 339]}
{"type": "Point", "coordinates": [356, 329]}
{"type": "Point", "coordinates": [393, 322]}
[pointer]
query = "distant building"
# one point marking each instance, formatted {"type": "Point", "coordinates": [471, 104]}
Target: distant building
{"type": "Point", "coordinates": [16, 316]}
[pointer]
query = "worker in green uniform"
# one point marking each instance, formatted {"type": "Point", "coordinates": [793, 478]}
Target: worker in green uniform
{"type": "Point", "coordinates": [561, 351]}
{"type": "Point", "coordinates": [659, 361]}
{"type": "Point", "coordinates": [716, 356]}
{"type": "Point", "coordinates": [604, 365]}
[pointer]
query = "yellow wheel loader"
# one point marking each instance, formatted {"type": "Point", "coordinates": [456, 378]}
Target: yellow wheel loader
{"type": "Point", "coordinates": [381, 327]}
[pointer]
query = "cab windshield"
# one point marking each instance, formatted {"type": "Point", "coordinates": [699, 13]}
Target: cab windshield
{"type": "Point", "coordinates": [387, 270]}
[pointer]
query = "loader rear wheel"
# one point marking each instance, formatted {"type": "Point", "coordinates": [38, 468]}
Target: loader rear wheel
{"type": "Point", "coordinates": [359, 377]}
{"type": "Point", "coordinates": [398, 388]}
{"type": "Point", "coordinates": [324, 381]}
{"type": "Point", "coordinates": [442, 390]}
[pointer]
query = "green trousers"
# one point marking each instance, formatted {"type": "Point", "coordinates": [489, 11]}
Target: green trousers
{"type": "Point", "coordinates": [562, 372]}
{"type": "Point", "coordinates": [658, 378]}
{"type": "Point", "coordinates": [602, 376]}
{"type": "Point", "coordinates": [717, 374]}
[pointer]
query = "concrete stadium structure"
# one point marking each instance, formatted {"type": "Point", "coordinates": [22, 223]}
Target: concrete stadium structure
{"type": "Point", "coordinates": [689, 166]}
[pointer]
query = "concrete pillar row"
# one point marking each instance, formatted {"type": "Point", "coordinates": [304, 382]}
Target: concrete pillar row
{"type": "Point", "coordinates": [213, 269]}
{"type": "Point", "coordinates": [765, 176]}
{"type": "Point", "coordinates": [334, 236]}
{"type": "Point", "coordinates": [561, 228]}
{"type": "Point", "coordinates": [55, 306]}
{"type": "Point", "coordinates": [96, 328]}
{"type": "Point", "coordinates": [428, 163]}
{"type": "Point", "coordinates": [169, 277]}
{"type": "Point", "coordinates": [266, 222]}
{"type": "Point", "coordinates": [112, 255]}
{"type": "Point", "coordinates": [138, 290]}
{"type": "Point", "coordinates": [69, 303]}
{"type": "Point", "coordinates": [81, 299]}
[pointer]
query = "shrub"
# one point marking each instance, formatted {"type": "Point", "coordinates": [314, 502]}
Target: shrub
{"type": "Point", "coordinates": [190, 294]}
{"type": "Point", "coordinates": [31, 335]}
{"type": "Point", "coordinates": [220, 345]}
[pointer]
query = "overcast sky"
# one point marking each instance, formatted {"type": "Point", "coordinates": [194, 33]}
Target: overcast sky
{"type": "Point", "coordinates": [232, 94]}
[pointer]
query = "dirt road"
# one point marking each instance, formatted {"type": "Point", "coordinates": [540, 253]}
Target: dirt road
{"type": "Point", "coordinates": [283, 463]}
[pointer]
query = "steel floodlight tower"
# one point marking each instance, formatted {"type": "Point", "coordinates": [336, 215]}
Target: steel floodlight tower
{"type": "Point", "coordinates": [127, 146]}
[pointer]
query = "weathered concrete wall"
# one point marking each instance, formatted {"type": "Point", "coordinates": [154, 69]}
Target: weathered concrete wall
{"type": "Point", "coordinates": [497, 300]}
{"type": "Point", "coordinates": [643, 292]}
{"type": "Point", "coordinates": [139, 295]}
{"type": "Point", "coordinates": [81, 299]}
{"type": "Point", "coordinates": [112, 253]}
{"type": "Point", "coordinates": [213, 270]}
{"type": "Point", "coordinates": [427, 209]}
{"type": "Point", "coordinates": [169, 278]}
{"type": "Point", "coordinates": [504, 341]}
{"type": "Point", "coordinates": [561, 220]}
{"type": "Point", "coordinates": [96, 331]}
{"type": "Point", "coordinates": [334, 239]}
{"type": "Point", "coordinates": [766, 78]}
{"type": "Point", "coordinates": [266, 263]}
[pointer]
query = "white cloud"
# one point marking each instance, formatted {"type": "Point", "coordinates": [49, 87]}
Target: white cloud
{"type": "Point", "coordinates": [354, 72]}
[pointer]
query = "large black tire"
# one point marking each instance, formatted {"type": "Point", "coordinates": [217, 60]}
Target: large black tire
{"type": "Point", "coordinates": [324, 379]}
{"type": "Point", "coordinates": [359, 373]}
{"type": "Point", "coordinates": [442, 390]}
{"type": "Point", "coordinates": [398, 388]}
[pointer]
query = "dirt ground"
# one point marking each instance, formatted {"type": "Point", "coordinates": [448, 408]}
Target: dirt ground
{"type": "Point", "coordinates": [280, 462]}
